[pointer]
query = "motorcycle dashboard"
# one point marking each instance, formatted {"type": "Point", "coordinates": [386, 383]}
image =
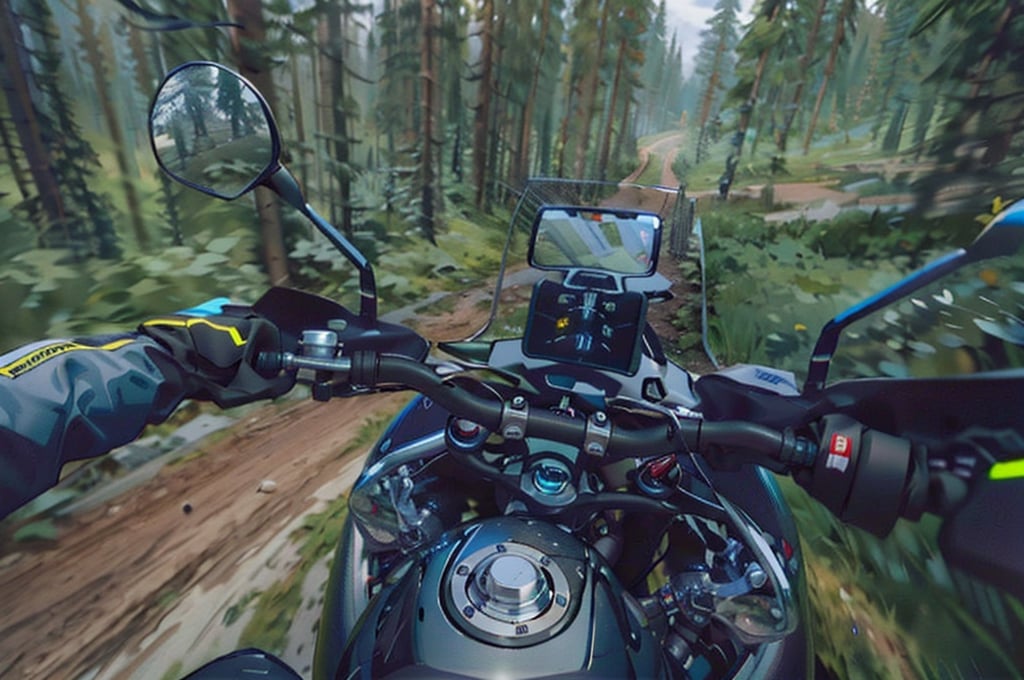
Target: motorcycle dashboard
{"type": "Point", "coordinates": [598, 328]}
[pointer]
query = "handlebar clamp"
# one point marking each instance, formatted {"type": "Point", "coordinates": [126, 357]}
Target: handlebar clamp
{"type": "Point", "coordinates": [597, 435]}
{"type": "Point", "coordinates": [514, 416]}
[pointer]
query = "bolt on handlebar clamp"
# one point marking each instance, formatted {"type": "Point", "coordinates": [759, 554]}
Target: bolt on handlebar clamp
{"type": "Point", "coordinates": [514, 415]}
{"type": "Point", "coordinates": [597, 435]}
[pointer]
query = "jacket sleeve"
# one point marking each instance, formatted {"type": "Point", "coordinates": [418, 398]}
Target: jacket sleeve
{"type": "Point", "coordinates": [63, 400]}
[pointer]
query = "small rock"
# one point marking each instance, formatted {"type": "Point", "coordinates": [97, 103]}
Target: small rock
{"type": "Point", "coordinates": [10, 560]}
{"type": "Point", "coordinates": [267, 486]}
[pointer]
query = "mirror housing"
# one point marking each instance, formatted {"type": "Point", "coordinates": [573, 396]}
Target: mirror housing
{"type": "Point", "coordinates": [618, 242]}
{"type": "Point", "coordinates": [211, 130]}
{"type": "Point", "coordinates": [1004, 234]}
{"type": "Point", "coordinates": [220, 106]}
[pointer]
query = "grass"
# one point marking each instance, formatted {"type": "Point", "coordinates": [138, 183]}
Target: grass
{"type": "Point", "coordinates": [651, 173]}
{"type": "Point", "coordinates": [888, 607]}
{"type": "Point", "coordinates": [234, 612]}
{"type": "Point", "coordinates": [824, 163]}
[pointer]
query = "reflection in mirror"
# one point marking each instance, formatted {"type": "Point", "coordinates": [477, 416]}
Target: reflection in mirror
{"type": "Point", "coordinates": [967, 322]}
{"type": "Point", "coordinates": [575, 238]}
{"type": "Point", "coordinates": [211, 130]}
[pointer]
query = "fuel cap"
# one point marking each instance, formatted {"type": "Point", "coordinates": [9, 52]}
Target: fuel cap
{"type": "Point", "coordinates": [509, 594]}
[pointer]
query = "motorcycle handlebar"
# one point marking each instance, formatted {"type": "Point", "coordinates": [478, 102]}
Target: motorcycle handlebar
{"type": "Point", "coordinates": [597, 436]}
{"type": "Point", "coordinates": [864, 477]}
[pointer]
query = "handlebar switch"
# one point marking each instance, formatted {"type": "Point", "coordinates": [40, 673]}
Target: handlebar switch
{"type": "Point", "coordinates": [860, 474]}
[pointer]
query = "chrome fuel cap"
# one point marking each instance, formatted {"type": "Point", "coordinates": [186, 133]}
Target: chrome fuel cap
{"type": "Point", "coordinates": [508, 593]}
{"type": "Point", "coordinates": [510, 587]}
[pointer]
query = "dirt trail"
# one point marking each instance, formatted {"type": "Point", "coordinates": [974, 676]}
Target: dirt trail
{"type": "Point", "coordinates": [136, 585]}
{"type": "Point", "coordinates": [666, 149]}
{"type": "Point", "coordinates": [137, 588]}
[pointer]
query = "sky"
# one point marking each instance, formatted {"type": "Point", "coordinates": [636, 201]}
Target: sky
{"type": "Point", "coordinates": [687, 18]}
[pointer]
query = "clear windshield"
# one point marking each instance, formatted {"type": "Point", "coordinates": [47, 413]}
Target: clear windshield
{"type": "Point", "coordinates": [511, 296]}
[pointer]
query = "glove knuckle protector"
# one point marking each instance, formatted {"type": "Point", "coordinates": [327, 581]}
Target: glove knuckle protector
{"type": "Point", "coordinates": [217, 354]}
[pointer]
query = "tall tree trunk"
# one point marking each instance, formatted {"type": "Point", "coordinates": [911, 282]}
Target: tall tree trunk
{"type": "Point", "coordinates": [428, 76]}
{"type": "Point", "coordinates": [805, 67]}
{"type": "Point", "coordinates": [339, 115]}
{"type": "Point", "coordinates": [324, 116]}
{"type": "Point", "coordinates": [620, 138]}
{"type": "Point", "coordinates": [90, 44]}
{"type": "Point", "coordinates": [149, 60]}
{"type": "Point", "coordinates": [522, 162]}
{"type": "Point", "coordinates": [747, 112]}
{"type": "Point", "coordinates": [709, 97]}
{"type": "Point", "coordinates": [606, 137]}
{"type": "Point", "coordinates": [245, 44]}
{"type": "Point", "coordinates": [591, 82]}
{"type": "Point", "coordinates": [563, 128]}
{"type": "Point", "coordinates": [482, 112]}
{"type": "Point", "coordinates": [997, 146]}
{"type": "Point", "coordinates": [14, 69]}
{"type": "Point", "coordinates": [13, 162]}
{"type": "Point", "coordinates": [300, 124]}
{"type": "Point", "coordinates": [830, 66]}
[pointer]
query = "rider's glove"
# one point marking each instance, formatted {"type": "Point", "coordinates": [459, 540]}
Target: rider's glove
{"type": "Point", "coordinates": [216, 353]}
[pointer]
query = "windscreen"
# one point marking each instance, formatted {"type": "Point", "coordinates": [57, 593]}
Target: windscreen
{"type": "Point", "coordinates": [511, 295]}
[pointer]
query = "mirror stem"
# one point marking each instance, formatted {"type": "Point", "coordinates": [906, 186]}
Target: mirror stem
{"type": "Point", "coordinates": [828, 340]}
{"type": "Point", "coordinates": [285, 185]}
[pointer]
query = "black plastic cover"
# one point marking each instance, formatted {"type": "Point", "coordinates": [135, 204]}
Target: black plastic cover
{"type": "Point", "coordinates": [984, 537]}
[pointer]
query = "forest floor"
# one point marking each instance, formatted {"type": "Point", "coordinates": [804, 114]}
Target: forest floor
{"type": "Point", "coordinates": [155, 581]}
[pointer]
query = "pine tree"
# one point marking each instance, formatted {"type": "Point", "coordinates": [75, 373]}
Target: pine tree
{"type": "Point", "coordinates": [74, 161]}
{"type": "Point", "coordinates": [715, 66]}
{"type": "Point", "coordinates": [254, 65]}
{"type": "Point", "coordinates": [90, 41]}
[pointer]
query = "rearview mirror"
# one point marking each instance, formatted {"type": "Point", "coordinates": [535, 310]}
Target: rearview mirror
{"type": "Point", "coordinates": [965, 305]}
{"type": "Point", "coordinates": [212, 131]}
{"type": "Point", "coordinates": [614, 241]}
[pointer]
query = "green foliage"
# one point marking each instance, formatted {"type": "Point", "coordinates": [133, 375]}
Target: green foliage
{"type": "Point", "coordinates": [48, 293]}
{"type": "Point", "coordinates": [42, 530]}
{"type": "Point", "coordinates": [173, 671]}
{"type": "Point", "coordinates": [235, 611]}
{"type": "Point", "coordinates": [407, 266]}
{"type": "Point", "coordinates": [891, 608]}
{"type": "Point", "coordinates": [771, 288]}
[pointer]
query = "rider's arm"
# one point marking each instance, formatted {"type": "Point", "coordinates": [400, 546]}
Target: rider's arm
{"type": "Point", "coordinates": [71, 399]}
